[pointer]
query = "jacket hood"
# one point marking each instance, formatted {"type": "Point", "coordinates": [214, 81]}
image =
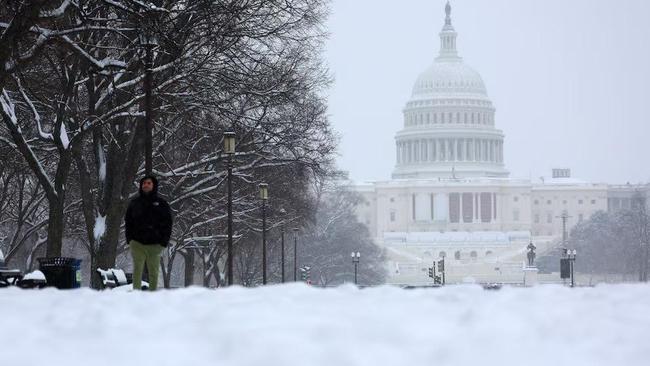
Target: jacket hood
{"type": "Point", "coordinates": [154, 192]}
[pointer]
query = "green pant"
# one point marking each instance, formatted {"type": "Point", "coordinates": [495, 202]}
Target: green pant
{"type": "Point", "coordinates": [149, 254]}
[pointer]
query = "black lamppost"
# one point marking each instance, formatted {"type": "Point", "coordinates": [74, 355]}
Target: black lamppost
{"type": "Point", "coordinates": [571, 256]}
{"type": "Point", "coordinates": [229, 149]}
{"type": "Point", "coordinates": [355, 259]}
{"type": "Point", "coordinates": [283, 212]}
{"type": "Point", "coordinates": [295, 254]}
{"type": "Point", "coordinates": [264, 196]}
{"type": "Point", "coordinates": [644, 267]}
{"type": "Point", "coordinates": [148, 40]}
{"type": "Point", "coordinates": [282, 252]}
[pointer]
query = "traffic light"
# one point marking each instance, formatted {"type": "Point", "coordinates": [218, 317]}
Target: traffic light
{"type": "Point", "coordinates": [437, 280]}
{"type": "Point", "coordinates": [431, 272]}
{"type": "Point", "coordinates": [441, 265]}
{"type": "Point", "coordinates": [305, 273]}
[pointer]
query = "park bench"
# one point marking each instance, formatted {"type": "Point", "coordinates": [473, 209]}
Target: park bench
{"type": "Point", "coordinates": [14, 277]}
{"type": "Point", "coordinates": [115, 277]}
{"type": "Point", "coordinates": [10, 277]}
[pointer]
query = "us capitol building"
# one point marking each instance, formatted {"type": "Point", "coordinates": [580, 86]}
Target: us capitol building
{"type": "Point", "coordinates": [451, 196]}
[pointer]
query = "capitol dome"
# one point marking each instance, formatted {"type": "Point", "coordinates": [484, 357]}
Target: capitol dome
{"type": "Point", "coordinates": [449, 129]}
{"type": "Point", "coordinates": [444, 77]}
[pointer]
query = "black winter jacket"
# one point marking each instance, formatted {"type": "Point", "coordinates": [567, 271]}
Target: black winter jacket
{"type": "Point", "coordinates": [148, 218]}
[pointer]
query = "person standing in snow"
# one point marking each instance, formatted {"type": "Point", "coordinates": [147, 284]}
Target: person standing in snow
{"type": "Point", "coordinates": [148, 227]}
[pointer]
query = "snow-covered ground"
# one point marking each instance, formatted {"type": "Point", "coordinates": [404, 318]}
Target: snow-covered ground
{"type": "Point", "coordinates": [299, 325]}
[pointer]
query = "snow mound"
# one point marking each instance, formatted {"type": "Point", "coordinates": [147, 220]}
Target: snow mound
{"type": "Point", "coordinates": [295, 324]}
{"type": "Point", "coordinates": [35, 275]}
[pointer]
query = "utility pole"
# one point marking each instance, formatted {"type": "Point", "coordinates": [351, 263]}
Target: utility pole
{"type": "Point", "coordinates": [565, 216]}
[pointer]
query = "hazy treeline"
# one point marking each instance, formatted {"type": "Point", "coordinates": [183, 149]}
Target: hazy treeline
{"type": "Point", "coordinates": [614, 242]}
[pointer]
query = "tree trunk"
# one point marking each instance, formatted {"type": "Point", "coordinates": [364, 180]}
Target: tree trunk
{"type": "Point", "coordinates": [167, 271]}
{"type": "Point", "coordinates": [188, 256]}
{"type": "Point", "coordinates": [206, 274]}
{"type": "Point", "coordinates": [88, 211]}
{"type": "Point", "coordinates": [121, 170]}
{"type": "Point", "coordinates": [108, 244]}
{"type": "Point", "coordinates": [95, 278]}
{"type": "Point", "coordinates": [55, 228]}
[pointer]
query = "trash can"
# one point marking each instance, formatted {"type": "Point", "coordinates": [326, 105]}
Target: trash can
{"type": "Point", "coordinates": [61, 272]}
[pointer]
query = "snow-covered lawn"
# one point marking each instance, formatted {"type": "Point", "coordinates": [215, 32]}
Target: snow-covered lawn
{"type": "Point", "coordinates": [299, 325]}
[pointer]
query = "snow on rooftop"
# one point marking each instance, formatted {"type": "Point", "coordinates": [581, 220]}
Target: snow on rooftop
{"type": "Point", "coordinates": [298, 325]}
{"type": "Point", "coordinates": [567, 181]}
{"type": "Point", "coordinates": [451, 237]}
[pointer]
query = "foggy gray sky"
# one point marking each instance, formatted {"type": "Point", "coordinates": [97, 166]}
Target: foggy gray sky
{"type": "Point", "coordinates": [569, 80]}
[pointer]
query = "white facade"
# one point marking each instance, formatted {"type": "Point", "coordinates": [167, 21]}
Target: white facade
{"type": "Point", "coordinates": [480, 225]}
{"type": "Point", "coordinates": [450, 194]}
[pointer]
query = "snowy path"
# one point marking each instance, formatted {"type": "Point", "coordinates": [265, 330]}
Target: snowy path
{"type": "Point", "coordinates": [297, 325]}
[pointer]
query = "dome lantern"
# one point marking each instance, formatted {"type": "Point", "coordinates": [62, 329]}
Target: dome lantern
{"type": "Point", "coordinates": [448, 39]}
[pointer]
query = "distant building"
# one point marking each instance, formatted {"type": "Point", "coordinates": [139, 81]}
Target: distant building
{"type": "Point", "coordinates": [450, 194]}
{"type": "Point", "coordinates": [622, 197]}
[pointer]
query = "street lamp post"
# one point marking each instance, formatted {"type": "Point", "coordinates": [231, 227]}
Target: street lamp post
{"type": "Point", "coordinates": [229, 149]}
{"type": "Point", "coordinates": [355, 259]}
{"type": "Point", "coordinates": [282, 252]}
{"type": "Point", "coordinates": [264, 196]}
{"type": "Point", "coordinates": [283, 213]}
{"type": "Point", "coordinates": [295, 254]}
{"type": "Point", "coordinates": [643, 272]}
{"type": "Point", "coordinates": [148, 40]}
{"type": "Point", "coordinates": [571, 255]}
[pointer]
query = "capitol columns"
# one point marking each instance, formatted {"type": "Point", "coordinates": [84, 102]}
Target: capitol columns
{"type": "Point", "coordinates": [398, 152]}
{"type": "Point", "coordinates": [492, 151]}
{"type": "Point", "coordinates": [490, 156]}
{"type": "Point", "coordinates": [454, 150]}
{"type": "Point", "coordinates": [475, 150]}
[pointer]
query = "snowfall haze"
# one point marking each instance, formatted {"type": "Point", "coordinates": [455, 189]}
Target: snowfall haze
{"type": "Point", "coordinates": [568, 80]}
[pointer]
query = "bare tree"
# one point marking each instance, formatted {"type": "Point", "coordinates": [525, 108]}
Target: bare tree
{"type": "Point", "coordinates": [614, 243]}
{"type": "Point", "coordinates": [73, 102]}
